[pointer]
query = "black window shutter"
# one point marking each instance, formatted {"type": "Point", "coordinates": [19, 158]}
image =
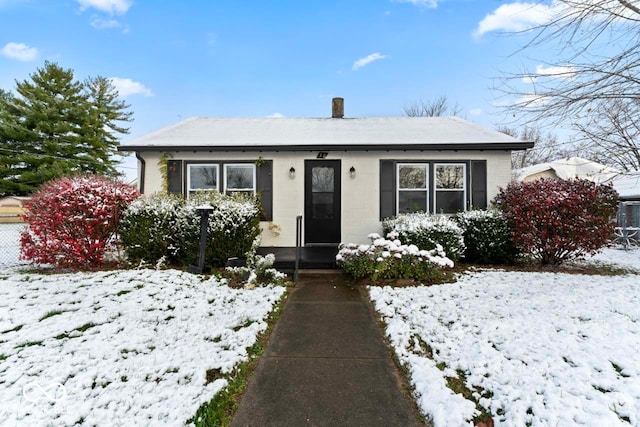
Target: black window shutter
{"type": "Point", "coordinates": [387, 189]}
{"type": "Point", "coordinates": [479, 184]}
{"type": "Point", "coordinates": [264, 175]}
{"type": "Point", "coordinates": [174, 176]}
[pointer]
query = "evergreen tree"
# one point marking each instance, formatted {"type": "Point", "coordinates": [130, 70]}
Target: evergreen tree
{"type": "Point", "coordinates": [58, 126]}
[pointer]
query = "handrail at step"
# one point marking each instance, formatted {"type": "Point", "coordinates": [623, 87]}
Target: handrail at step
{"type": "Point", "coordinates": [298, 247]}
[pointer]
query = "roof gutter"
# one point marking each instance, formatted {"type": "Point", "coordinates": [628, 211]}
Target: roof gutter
{"type": "Point", "coordinates": [349, 147]}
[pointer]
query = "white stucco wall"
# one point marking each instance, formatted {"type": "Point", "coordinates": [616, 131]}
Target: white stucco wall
{"type": "Point", "coordinates": [360, 195]}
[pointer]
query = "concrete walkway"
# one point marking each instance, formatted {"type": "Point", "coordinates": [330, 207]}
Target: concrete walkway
{"type": "Point", "coordinates": [325, 365]}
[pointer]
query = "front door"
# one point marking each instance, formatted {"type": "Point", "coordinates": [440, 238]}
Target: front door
{"type": "Point", "coordinates": [322, 202]}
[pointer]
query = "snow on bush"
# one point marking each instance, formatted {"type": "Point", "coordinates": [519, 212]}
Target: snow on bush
{"type": "Point", "coordinates": [390, 259]}
{"type": "Point", "coordinates": [166, 226]}
{"type": "Point", "coordinates": [427, 231]}
{"type": "Point", "coordinates": [150, 228]}
{"type": "Point", "coordinates": [72, 220]}
{"type": "Point", "coordinates": [558, 220]}
{"type": "Point", "coordinates": [487, 237]}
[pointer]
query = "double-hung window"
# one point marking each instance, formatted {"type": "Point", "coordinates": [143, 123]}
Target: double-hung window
{"type": "Point", "coordinates": [413, 188]}
{"type": "Point", "coordinates": [240, 178]}
{"type": "Point", "coordinates": [202, 177]}
{"type": "Point", "coordinates": [449, 179]}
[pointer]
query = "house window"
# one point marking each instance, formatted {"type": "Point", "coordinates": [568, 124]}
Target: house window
{"type": "Point", "coordinates": [202, 177]}
{"type": "Point", "coordinates": [240, 178]}
{"type": "Point", "coordinates": [413, 187]}
{"type": "Point", "coordinates": [450, 187]}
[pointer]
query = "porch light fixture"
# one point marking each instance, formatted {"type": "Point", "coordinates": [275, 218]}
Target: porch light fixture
{"type": "Point", "coordinates": [292, 172]}
{"type": "Point", "coordinates": [352, 172]}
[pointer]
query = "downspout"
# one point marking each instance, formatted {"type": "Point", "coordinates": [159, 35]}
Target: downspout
{"type": "Point", "coordinates": [142, 172]}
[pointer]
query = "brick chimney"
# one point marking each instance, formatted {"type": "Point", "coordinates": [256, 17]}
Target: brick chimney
{"type": "Point", "coordinates": [337, 108]}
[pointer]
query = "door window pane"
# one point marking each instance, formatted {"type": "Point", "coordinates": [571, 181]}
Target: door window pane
{"type": "Point", "coordinates": [322, 179]}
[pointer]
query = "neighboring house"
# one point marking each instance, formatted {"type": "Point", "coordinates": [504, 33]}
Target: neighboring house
{"type": "Point", "coordinates": [12, 208]}
{"type": "Point", "coordinates": [342, 174]}
{"type": "Point", "coordinates": [626, 184]}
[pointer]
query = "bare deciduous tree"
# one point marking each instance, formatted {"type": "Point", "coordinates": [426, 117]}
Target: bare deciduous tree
{"type": "Point", "coordinates": [597, 43]}
{"type": "Point", "coordinates": [436, 108]}
{"type": "Point", "coordinates": [546, 147]}
{"type": "Point", "coordinates": [613, 134]}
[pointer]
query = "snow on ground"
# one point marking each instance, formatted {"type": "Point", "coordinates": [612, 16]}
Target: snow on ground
{"type": "Point", "coordinates": [547, 349]}
{"type": "Point", "coordinates": [129, 347]}
{"type": "Point", "coordinates": [629, 259]}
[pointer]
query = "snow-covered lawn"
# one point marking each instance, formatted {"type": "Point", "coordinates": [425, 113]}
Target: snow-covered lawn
{"type": "Point", "coordinates": [129, 347]}
{"type": "Point", "coordinates": [546, 349]}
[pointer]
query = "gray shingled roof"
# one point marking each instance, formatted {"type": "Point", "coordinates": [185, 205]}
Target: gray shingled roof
{"type": "Point", "coordinates": [319, 133]}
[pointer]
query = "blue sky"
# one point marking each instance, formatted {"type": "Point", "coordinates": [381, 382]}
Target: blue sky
{"type": "Point", "coordinates": [172, 60]}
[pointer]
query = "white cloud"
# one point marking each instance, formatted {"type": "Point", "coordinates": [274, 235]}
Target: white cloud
{"type": "Point", "coordinates": [564, 72]}
{"type": "Point", "coordinates": [109, 6]}
{"type": "Point", "coordinates": [516, 16]}
{"type": "Point", "coordinates": [432, 4]}
{"type": "Point", "coordinates": [105, 24]}
{"type": "Point", "coordinates": [19, 51]}
{"type": "Point", "coordinates": [531, 99]}
{"type": "Point", "coordinates": [126, 87]}
{"type": "Point", "coordinates": [276, 116]}
{"type": "Point", "coordinates": [367, 60]}
{"type": "Point", "coordinates": [476, 111]}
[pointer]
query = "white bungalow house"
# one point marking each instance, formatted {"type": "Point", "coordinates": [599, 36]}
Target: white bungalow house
{"type": "Point", "coordinates": [343, 175]}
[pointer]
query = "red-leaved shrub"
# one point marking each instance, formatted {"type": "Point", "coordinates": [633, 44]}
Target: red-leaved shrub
{"type": "Point", "coordinates": [557, 220]}
{"type": "Point", "coordinates": [73, 220]}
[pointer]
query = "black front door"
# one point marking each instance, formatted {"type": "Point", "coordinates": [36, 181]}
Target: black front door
{"type": "Point", "coordinates": [322, 202]}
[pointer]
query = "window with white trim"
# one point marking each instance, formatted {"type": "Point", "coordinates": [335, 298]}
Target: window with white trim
{"type": "Point", "coordinates": [450, 187]}
{"type": "Point", "coordinates": [240, 178]}
{"type": "Point", "coordinates": [413, 188]}
{"type": "Point", "coordinates": [202, 177]}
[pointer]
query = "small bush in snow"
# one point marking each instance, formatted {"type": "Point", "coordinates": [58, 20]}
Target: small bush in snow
{"type": "Point", "coordinates": [167, 226]}
{"type": "Point", "coordinates": [390, 259]}
{"type": "Point", "coordinates": [72, 220]}
{"type": "Point", "coordinates": [487, 237]}
{"type": "Point", "coordinates": [557, 220]}
{"type": "Point", "coordinates": [258, 271]}
{"type": "Point", "coordinates": [234, 225]}
{"type": "Point", "coordinates": [150, 229]}
{"type": "Point", "coordinates": [427, 231]}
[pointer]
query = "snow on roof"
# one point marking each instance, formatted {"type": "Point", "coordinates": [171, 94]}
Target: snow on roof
{"type": "Point", "coordinates": [626, 184]}
{"type": "Point", "coordinates": [224, 133]}
{"type": "Point", "coordinates": [571, 168]}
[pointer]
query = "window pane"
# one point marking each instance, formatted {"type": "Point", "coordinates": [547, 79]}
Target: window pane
{"type": "Point", "coordinates": [412, 176]}
{"type": "Point", "coordinates": [449, 201]}
{"type": "Point", "coordinates": [239, 177]}
{"type": "Point", "coordinates": [450, 177]}
{"type": "Point", "coordinates": [412, 201]}
{"type": "Point", "coordinates": [322, 179]}
{"type": "Point", "coordinates": [203, 177]}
